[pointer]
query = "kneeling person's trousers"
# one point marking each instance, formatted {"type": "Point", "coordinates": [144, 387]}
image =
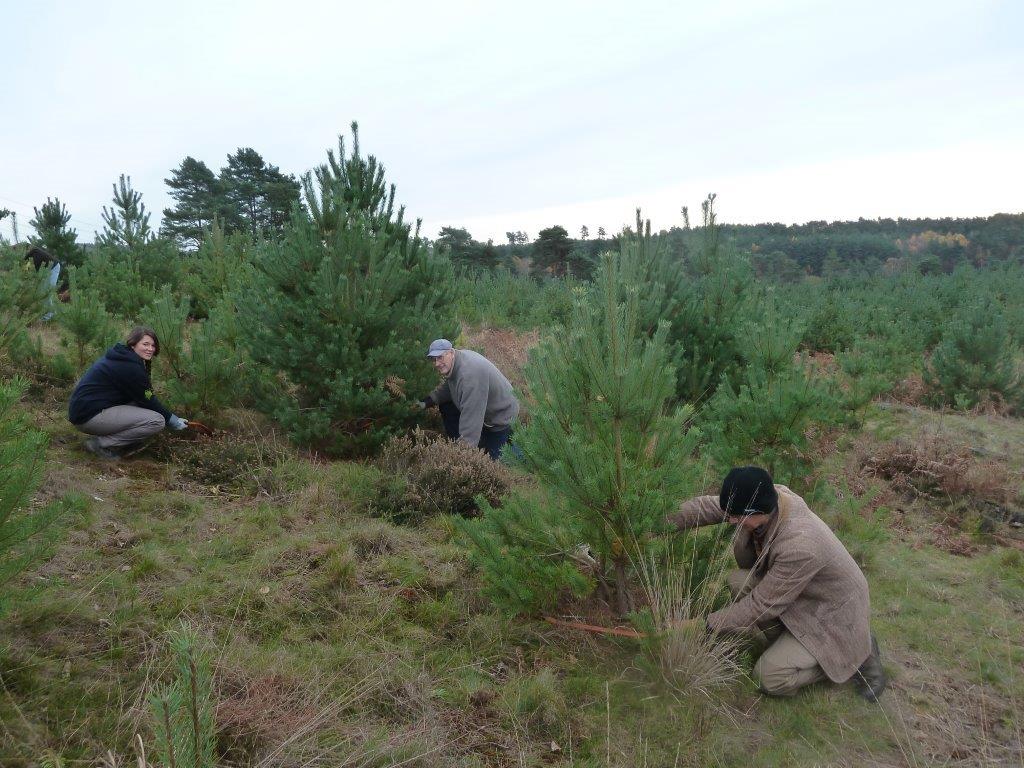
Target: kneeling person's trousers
{"type": "Point", "coordinates": [786, 665]}
{"type": "Point", "coordinates": [122, 425]}
{"type": "Point", "coordinates": [491, 440]}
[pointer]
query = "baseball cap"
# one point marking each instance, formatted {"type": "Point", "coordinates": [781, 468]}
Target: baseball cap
{"type": "Point", "coordinates": [438, 347]}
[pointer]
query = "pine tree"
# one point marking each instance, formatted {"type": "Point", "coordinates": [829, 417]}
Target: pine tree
{"type": "Point", "coordinates": [976, 361]}
{"type": "Point", "coordinates": [199, 363]}
{"type": "Point", "coordinates": [88, 323]}
{"type": "Point", "coordinates": [341, 308]}
{"type": "Point", "coordinates": [350, 188]}
{"type": "Point", "coordinates": [183, 710]}
{"type": "Point", "coordinates": [53, 233]}
{"type": "Point", "coordinates": [114, 275]}
{"type": "Point", "coordinates": [25, 535]}
{"type": "Point", "coordinates": [711, 311]}
{"type": "Point", "coordinates": [610, 451]}
{"type": "Point", "coordinates": [126, 221]}
{"type": "Point", "coordinates": [23, 298]}
{"type": "Point", "coordinates": [258, 196]}
{"type": "Point", "coordinates": [222, 264]}
{"type": "Point", "coordinates": [199, 199]}
{"type": "Point", "coordinates": [765, 417]}
{"type": "Point", "coordinates": [457, 244]}
{"type": "Point", "coordinates": [551, 251]}
{"type": "Point", "coordinates": [649, 262]}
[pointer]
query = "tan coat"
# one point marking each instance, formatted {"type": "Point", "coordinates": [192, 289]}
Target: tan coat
{"type": "Point", "coordinates": [809, 582]}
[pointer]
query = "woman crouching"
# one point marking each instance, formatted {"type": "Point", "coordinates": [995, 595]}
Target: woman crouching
{"type": "Point", "coordinates": [114, 400]}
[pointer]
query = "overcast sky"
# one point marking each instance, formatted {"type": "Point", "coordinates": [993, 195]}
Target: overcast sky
{"type": "Point", "coordinates": [523, 115]}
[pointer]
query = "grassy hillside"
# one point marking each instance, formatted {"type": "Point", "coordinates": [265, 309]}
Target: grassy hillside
{"type": "Point", "coordinates": [340, 638]}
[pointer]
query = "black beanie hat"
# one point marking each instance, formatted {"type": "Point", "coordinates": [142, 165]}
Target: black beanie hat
{"type": "Point", "coordinates": [748, 491]}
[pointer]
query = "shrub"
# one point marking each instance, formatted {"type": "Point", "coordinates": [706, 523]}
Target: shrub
{"type": "Point", "coordinates": [427, 476]}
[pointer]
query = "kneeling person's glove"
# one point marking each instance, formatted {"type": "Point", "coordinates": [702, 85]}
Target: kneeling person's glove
{"type": "Point", "coordinates": [427, 402]}
{"type": "Point", "coordinates": [177, 423]}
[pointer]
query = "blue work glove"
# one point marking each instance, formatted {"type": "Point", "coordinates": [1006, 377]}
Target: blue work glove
{"type": "Point", "coordinates": [177, 423]}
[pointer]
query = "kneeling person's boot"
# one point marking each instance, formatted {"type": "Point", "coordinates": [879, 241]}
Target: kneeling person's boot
{"type": "Point", "coordinates": [93, 446]}
{"type": "Point", "coordinates": [870, 680]}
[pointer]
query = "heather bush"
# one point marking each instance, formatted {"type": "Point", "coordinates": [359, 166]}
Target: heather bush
{"type": "Point", "coordinates": [426, 476]}
{"type": "Point", "coordinates": [936, 467]}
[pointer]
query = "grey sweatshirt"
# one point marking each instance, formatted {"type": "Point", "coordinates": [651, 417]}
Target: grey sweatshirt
{"type": "Point", "coordinates": [481, 393]}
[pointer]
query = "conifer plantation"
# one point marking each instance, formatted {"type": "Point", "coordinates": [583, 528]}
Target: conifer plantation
{"type": "Point", "coordinates": [320, 577]}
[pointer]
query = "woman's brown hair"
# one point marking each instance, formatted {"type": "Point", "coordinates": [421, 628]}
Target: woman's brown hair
{"type": "Point", "coordinates": [137, 334]}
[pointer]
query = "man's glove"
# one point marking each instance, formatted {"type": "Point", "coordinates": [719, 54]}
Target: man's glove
{"type": "Point", "coordinates": [427, 402]}
{"type": "Point", "coordinates": [177, 423]}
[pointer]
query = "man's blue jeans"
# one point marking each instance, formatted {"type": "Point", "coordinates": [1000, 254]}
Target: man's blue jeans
{"type": "Point", "coordinates": [491, 440]}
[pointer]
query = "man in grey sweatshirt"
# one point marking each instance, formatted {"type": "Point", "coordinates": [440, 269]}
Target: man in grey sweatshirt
{"type": "Point", "coordinates": [475, 400]}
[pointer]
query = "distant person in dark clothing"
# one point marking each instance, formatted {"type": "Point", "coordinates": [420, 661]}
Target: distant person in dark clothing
{"type": "Point", "coordinates": [114, 400]}
{"type": "Point", "coordinates": [476, 401]}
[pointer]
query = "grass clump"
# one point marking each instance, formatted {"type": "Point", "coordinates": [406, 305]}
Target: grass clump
{"type": "Point", "coordinates": [679, 655]}
{"type": "Point", "coordinates": [229, 462]}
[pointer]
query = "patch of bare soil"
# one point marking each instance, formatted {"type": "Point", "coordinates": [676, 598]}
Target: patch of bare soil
{"type": "Point", "coordinates": [507, 349]}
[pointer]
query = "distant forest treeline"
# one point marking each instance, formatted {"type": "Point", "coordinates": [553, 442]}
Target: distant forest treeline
{"type": "Point", "coordinates": [785, 252]}
{"type": "Point", "coordinates": [252, 197]}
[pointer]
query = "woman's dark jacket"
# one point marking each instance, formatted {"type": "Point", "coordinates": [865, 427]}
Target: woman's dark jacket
{"type": "Point", "coordinates": [117, 378]}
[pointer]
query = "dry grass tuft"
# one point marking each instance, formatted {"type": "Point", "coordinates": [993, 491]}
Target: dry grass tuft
{"type": "Point", "coordinates": [910, 390]}
{"type": "Point", "coordinates": [937, 467]}
{"type": "Point", "coordinates": [696, 666]}
{"type": "Point", "coordinates": [256, 711]}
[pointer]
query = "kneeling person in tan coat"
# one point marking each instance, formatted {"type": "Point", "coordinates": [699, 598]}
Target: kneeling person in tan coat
{"type": "Point", "coordinates": [797, 588]}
